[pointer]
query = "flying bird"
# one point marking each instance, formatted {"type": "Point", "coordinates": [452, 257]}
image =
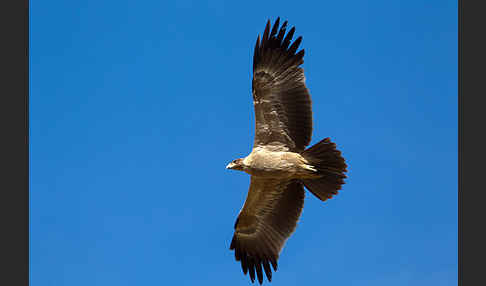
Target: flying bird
{"type": "Point", "coordinates": [279, 163]}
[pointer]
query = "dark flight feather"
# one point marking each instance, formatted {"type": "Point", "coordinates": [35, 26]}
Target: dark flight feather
{"type": "Point", "coordinates": [288, 38]}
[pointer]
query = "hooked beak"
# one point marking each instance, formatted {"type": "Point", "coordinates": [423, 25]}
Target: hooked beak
{"type": "Point", "coordinates": [230, 165]}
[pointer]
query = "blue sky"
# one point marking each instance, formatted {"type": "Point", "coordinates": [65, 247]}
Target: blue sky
{"type": "Point", "coordinates": [136, 107]}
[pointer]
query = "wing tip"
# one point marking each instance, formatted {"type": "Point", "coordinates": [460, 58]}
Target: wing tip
{"type": "Point", "coordinates": [253, 265]}
{"type": "Point", "coordinates": [275, 38]}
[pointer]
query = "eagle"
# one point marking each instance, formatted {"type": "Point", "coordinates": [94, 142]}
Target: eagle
{"type": "Point", "coordinates": [279, 163]}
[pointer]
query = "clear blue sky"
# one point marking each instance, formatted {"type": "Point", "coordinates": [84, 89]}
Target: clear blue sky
{"type": "Point", "coordinates": [136, 107]}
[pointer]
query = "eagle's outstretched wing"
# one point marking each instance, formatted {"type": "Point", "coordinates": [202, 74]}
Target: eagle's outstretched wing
{"type": "Point", "coordinates": [283, 112]}
{"type": "Point", "coordinates": [267, 219]}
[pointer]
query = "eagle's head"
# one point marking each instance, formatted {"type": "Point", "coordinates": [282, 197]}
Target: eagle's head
{"type": "Point", "coordinates": [236, 165]}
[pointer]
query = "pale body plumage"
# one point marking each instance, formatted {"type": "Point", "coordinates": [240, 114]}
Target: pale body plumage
{"type": "Point", "coordinates": [268, 162]}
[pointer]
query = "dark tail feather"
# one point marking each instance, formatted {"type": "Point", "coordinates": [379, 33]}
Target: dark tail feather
{"type": "Point", "coordinates": [330, 165]}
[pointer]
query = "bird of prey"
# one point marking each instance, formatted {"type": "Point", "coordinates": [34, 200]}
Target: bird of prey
{"type": "Point", "coordinates": [279, 164]}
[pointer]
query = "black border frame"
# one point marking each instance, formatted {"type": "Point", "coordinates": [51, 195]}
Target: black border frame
{"type": "Point", "coordinates": [471, 143]}
{"type": "Point", "coordinates": [14, 158]}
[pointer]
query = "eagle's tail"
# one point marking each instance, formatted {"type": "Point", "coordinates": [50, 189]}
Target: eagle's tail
{"type": "Point", "coordinates": [329, 163]}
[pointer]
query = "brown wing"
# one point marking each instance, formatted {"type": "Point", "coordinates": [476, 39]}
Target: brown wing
{"type": "Point", "coordinates": [283, 111]}
{"type": "Point", "coordinates": [268, 218]}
